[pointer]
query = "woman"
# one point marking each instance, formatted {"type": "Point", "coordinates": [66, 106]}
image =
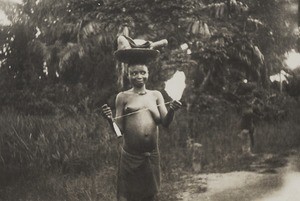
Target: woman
{"type": "Point", "coordinates": [142, 110]}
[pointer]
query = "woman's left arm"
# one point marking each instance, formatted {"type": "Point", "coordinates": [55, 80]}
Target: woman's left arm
{"type": "Point", "coordinates": [166, 116]}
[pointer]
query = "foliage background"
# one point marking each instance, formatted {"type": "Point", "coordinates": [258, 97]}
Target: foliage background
{"type": "Point", "coordinates": [57, 68]}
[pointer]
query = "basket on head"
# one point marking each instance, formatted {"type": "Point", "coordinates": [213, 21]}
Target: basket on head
{"type": "Point", "coordinates": [136, 51]}
{"type": "Point", "coordinates": [136, 55]}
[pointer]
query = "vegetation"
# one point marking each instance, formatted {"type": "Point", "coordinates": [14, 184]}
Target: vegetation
{"type": "Point", "coordinates": [74, 157]}
{"type": "Point", "coordinates": [57, 68]}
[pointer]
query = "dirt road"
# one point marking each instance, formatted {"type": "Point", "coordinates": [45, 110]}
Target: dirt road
{"type": "Point", "coordinates": [266, 183]}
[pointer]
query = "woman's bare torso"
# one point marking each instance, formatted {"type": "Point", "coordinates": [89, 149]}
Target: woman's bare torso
{"type": "Point", "coordinates": [140, 129]}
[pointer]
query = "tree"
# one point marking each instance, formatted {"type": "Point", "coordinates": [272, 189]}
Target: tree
{"type": "Point", "coordinates": [72, 42]}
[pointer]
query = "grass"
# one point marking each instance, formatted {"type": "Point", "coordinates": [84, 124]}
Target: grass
{"type": "Point", "coordinates": [280, 135]}
{"type": "Point", "coordinates": [75, 157]}
{"type": "Point", "coordinates": [33, 147]}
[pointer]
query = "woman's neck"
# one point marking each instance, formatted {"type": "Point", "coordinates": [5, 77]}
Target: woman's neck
{"type": "Point", "coordinates": [139, 90]}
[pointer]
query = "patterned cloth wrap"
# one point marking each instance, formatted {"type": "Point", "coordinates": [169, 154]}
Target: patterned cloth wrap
{"type": "Point", "coordinates": [139, 175]}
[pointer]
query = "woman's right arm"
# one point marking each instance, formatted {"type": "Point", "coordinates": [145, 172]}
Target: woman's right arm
{"type": "Point", "coordinates": [120, 103]}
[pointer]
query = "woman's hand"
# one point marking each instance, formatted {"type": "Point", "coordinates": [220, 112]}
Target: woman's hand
{"type": "Point", "coordinates": [106, 112]}
{"type": "Point", "coordinates": [175, 105]}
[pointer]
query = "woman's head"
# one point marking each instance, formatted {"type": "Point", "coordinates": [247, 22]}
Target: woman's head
{"type": "Point", "coordinates": [138, 74]}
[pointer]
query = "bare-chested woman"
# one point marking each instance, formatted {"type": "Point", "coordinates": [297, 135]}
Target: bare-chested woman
{"type": "Point", "coordinates": [139, 171]}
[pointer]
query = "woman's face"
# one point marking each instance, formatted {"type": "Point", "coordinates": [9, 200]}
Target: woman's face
{"type": "Point", "coordinates": [138, 75]}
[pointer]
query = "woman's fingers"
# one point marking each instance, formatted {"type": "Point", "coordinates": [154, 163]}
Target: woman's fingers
{"type": "Point", "coordinates": [175, 105]}
{"type": "Point", "coordinates": [106, 111]}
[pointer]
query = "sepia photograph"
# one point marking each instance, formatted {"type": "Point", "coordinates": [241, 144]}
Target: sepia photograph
{"type": "Point", "coordinates": [150, 100]}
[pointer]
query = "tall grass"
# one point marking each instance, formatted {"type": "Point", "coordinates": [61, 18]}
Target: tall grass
{"type": "Point", "coordinates": [280, 135]}
{"type": "Point", "coordinates": [71, 144]}
{"type": "Point", "coordinates": [218, 136]}
{"type": "Point", "coordinates": [218, 133]}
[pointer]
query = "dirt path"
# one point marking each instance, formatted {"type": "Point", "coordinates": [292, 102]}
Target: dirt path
{"type": "Point", "coordinates": [268, 182]}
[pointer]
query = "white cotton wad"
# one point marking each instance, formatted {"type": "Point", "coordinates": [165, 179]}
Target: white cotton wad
{"type": "Point", "coordinates": [176, 85]}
